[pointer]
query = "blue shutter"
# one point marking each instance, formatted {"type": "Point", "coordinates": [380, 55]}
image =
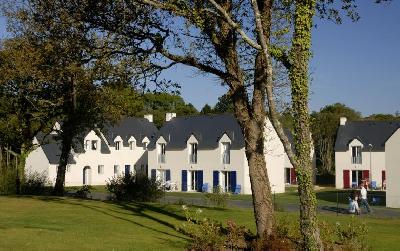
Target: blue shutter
{"type": "Point", "coordinates": [168, 175]}
{"type": "Point", "coordinates": [199, 181]}
{"type": "Point", "coordinates": [127, 169]}
{"type": "Point", "coordinates": [233, 180]}
{"type": "Point", "coordinates": [184, 180]}
{"type": "Point", "coordinates": [215, 179]}
{"type": "Point", "coordinates": [153, 174]}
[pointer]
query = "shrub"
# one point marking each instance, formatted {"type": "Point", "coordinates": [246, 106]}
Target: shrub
{"type": "Point", "coordinates": [134, 188]}
{"type": "Point", "coordinates": [7, 180]}
{"type": "Point", "coordinates": [36, 183]}
{"type": "Point", "coordinates": [352, 235]}
{"type": "Point", "coordinates": [218, 198]}
{"type": "Point", "coordinates": [207, 234]}
{"type": "Point", "coordinates": [83, 192]}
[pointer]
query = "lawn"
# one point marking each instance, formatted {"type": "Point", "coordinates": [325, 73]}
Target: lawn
{"type": "Point", "coordinates": [44, 223]}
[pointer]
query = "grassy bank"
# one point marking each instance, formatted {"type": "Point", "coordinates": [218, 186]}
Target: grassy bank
{"type": "Point", "coordinates": [48, 223]}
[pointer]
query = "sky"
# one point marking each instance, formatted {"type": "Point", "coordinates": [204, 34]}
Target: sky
{"type": "Point", "coordinates": [357, 64]}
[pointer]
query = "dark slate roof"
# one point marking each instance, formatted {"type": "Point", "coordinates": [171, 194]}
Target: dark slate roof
{"type": "Point", "coordinates": [51, 145]}
{"type": "Point", "coordinates": [139, 128]}
{"type": "Point", "coordinates": [207, 129]}
{"type": "Point", "coordinates": [368, 132]}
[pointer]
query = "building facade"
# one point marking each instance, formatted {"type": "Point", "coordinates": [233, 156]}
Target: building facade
{"type": "Point", "coordinates": [360, 152]}
{"type": "Point", "coordinates": [97, 155]}
{"type": "Point", "coordinates": [198, 153]}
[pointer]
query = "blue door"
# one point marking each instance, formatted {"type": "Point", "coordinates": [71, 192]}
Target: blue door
{"type": "Point", "coordinates": [153, 174]}
{"type": "Point", "coordinates": [232, 181]}
{"type": "Point", "coordinates": [199, 181]}
{"type": "Point", "coordinates": [215, 179]}
{"type": "Point", "coordinates": [167, 175]}
{"type": "Point", "coordinates": [127, 169]}
{"type": "Point", "coordinates": [184, 180]}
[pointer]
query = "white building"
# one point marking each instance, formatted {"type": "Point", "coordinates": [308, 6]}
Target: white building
{"type": "Point", "coordinates": [96, 155]}
{"type": "Point", "coordinates": [198, 153]}
{"type": "Point", "coordinates": [392, 156]}
{"type": "Point", "coordinates": [360, 152]}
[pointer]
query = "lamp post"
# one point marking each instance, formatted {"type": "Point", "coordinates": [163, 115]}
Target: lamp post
{"type": "Point", "coordinates": [370, 162]}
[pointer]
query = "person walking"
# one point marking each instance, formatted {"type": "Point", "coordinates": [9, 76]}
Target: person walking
{"type": "Point", "coordinates": [364, 198]}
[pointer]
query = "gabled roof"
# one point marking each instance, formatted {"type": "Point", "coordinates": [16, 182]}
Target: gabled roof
{"type": "Point", "coordinates": [51, 145]}
{"type": "Point", "coordinates": [139, 128]}
{"type": "Point", "coordinates": [207, 129]}
{"type": "Point", "coordinates": [368, 132]}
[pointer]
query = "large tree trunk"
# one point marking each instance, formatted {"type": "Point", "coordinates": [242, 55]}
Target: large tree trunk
{"type": "Point", "coordinates": [66, 147]}
{"type": "Point", "coordinates": [252, 124]}
{"type": "Point", "coordinates": [298, 74]}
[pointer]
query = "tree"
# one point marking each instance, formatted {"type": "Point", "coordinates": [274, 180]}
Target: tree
{"type": "Point", "coordinates": [206, 109]}
{"type": "Point", "coordinates": [324, 128]}
{"type": "Point", "coordinates": [224, 104]}
{"type": "Point", "coordinates": [383, 117]}
{"type": "Point", "coordinates": [26, 98]}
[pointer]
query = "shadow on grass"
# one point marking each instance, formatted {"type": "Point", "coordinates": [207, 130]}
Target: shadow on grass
{"type": "Point", "coordinates": [136, 209]}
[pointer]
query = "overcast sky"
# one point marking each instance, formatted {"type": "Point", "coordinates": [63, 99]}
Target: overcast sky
{"type": "Point", "coordinates": [357, 64]}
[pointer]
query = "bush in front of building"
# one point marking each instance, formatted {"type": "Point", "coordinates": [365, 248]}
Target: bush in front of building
{"type": "Point", "coordinates": [218, 198]}
{"type": "Point", "coordinates": [36, 183]}
{"type": "Point", "coordinates": [132, 187]}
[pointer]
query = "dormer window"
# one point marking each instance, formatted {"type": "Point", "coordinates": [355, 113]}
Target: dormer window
{"type": "Point", "coordinates": [193, 153]}
{"type": "Point", "coordinates": [117, 145]}
{"type": "Point", "coordinates": [226, 155]}
{"type": "Point", "coordinates": [161, 153]}
{"type": "Point", "coordinates": [87, 144]}
{"type": "Point", "coordinates": [94, 144]}
{"type": "Point", "coordinates": [356, 156]}
{"type": "Point", "coordinates": [131, 145]}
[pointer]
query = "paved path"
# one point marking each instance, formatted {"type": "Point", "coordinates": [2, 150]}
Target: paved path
{"type": "Point", "coordinates": [330, 208]}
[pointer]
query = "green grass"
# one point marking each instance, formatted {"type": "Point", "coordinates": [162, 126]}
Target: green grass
{"type": "Point", "coordinates": [49, 223]}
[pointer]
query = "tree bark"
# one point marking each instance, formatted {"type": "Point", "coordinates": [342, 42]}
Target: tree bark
{"type": "Point", "coordinates": [66, 147]}
{"type": "Point", "coordinates": [298, 74]}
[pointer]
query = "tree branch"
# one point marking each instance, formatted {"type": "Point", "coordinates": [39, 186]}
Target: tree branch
{"type": "Point", "coordinates": [273, 114]}
{"type": "Point", "coordinates": [235, 26]}
{"type": "Point", "coordinates": [191, 61]}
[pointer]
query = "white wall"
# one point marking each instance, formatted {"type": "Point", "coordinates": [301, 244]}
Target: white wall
{"type": "Point", "coordinates": [343, 162]}
{"type": "Point", "coordinates": [392, 147]}
{"type": "Point", "coordinates": [37, 162]}
{"type": "Point", "coordinates": [136, 158]}
{"type": "Point", "coordinates": [210, 160]}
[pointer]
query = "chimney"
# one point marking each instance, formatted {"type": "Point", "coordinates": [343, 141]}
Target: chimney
{"type": "Point", "coordinates": [343, 121]}
{"type": "Point", "coordinates": [149, 117]}
{"type": "Point", "coordinates": [169, 116]}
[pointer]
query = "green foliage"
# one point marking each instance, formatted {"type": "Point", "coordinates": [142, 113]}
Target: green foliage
{"type": "Point", "coordinates": [207, 234]}
{"type": "Point", "coordinates": [383, 117]}
{"type": "Point", "coordinates": [207, 109]}
{"type": "Point", "coordinates": [7, 180]}
{"type": "Point", "coordinates": [324, 128]}
{"type": "Point", "coordinates": [352, 236]}
{"type": "Point", "coordinates": [36, 184]}
{"type": "Point", "coordinates": [134, 188]}
{"type": "Point", "coordinates": [224, 105]}
{"type": "Point", "coordinates": [83, 192]}
{"type": "Point", "coordinates": [218, 198]}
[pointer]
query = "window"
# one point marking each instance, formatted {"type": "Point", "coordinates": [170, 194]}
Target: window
{"type": "Point", "coordinates": [117, 145]}
{"type": "Point", "coordinates": [161, 153]}
{"type": "Point", "coordinates": [116, 169]}
{"type": "Point", "coordinates": [226, 157]}
{"type": "Point", "coordinates": [145, 146]}
{"type": "Point", "coordinates": [87, 144]}
{"type": "Point", "coordinates": [100, 169]}
{"type": "Point", "coordinates": [131, 145]}
{"type": "Point", "coordinates": [193, 153]}
{"type": "Point", "coordinates": [94, 144]}
{"type": "Point", "coordinates": [68, 169]}
{"type": "Point", "coordinates": [356, 157]}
